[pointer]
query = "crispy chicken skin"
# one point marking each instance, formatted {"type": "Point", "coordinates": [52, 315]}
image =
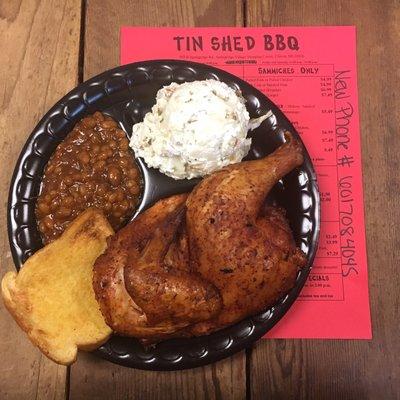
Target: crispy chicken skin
{"type": "Point", "coordinates": [191, 265]}
{"type": "Point", "coordinates": [169, 293]}
{"type": "Point", "coordinates": [121, 313]}
{"type": "Point", "coordinates": [234, 246]}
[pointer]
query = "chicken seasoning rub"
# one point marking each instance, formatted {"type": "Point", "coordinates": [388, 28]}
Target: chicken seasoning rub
{"type": "Point", "coordinates": [92, 167]}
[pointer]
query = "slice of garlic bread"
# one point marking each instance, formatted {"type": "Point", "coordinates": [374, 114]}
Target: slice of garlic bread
{"type": "Point", "coordinates": [52, 297]}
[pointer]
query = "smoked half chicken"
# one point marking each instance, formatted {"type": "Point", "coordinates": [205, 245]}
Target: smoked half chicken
{"type": "Point", "coordinates": [193, 264]}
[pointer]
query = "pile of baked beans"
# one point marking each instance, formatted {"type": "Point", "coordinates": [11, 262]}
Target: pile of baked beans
{"type": "Point", "coordinates": [92, 167]}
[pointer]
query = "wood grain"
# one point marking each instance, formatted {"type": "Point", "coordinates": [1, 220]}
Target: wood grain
{"type": "Point", "coordinates": [39, 46]}
{"type": "Point", "coordinates": [311, 369]}
{"type": "Point", "coordinates": [92, 378]}
{"type": "Point", "coordinates": [102, 39]}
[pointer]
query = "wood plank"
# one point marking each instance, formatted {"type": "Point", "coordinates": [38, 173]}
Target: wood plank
{"type": "Point", "coordinates": [102, 39]}
{"type": "Point", "coordinates": [93, 378]}
{"type": "Point", "coordinates": [351, 369]}
{"type": "Point", "coordinates": [39, 47]}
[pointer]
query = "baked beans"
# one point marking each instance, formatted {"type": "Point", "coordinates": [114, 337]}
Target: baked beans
{"type": "Point", "coordinates": [92, 167]}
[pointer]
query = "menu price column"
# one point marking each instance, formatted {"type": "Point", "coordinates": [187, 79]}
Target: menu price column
{"type": "Point", "coordinates": [306, 95]}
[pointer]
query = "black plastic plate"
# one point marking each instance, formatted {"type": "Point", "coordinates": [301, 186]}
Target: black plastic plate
{"type": "Point", "coordinates": [127, 93]}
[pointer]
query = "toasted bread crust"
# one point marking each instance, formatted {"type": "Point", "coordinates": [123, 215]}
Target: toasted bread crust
{"type": "Point", "coordinates": [52, 298]}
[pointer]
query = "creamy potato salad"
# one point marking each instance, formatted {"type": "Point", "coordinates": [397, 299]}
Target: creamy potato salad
{"type": "Point", "coordinates": [194, 128]}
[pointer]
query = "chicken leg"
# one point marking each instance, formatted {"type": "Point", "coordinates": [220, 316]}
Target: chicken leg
{"type": "Point", "coordinates": [232, 243]}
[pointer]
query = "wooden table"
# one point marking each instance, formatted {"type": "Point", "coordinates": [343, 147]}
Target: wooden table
{"type": "Point", "coordinates": [48, 47]}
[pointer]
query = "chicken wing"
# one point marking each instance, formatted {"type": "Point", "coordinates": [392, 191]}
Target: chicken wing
{"type": "Point", "coordinates": [121, 313]}
{"type": "Point", "coordinates": [166, 293]}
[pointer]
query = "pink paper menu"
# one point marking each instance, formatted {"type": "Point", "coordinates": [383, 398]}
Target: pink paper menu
{"type": "Point", "coordinates": [311, 73]}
